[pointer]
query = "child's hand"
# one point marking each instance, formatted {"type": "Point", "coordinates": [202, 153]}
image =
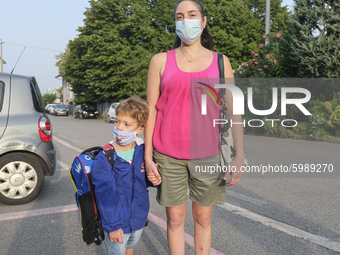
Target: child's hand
{"type": "Point", "coordinates": [152, 173]}
{"type": "Point", "coordinates": [152, 178]}
{"type": "Point", "coordinates": [117, 236]}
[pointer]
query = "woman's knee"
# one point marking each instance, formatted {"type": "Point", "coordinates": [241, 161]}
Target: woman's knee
{"type": "Point", "coordinates": [203, 220]}
{"type": "Point", "coordinates": [176, 216]}
{"type": "Point", "coordinates": [202, 215]}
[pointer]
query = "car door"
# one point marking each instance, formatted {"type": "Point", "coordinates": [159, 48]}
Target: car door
{"type": "Point", "coordinates": [76, 111]}
{"type": "Point", "coordinates": [5, 87]}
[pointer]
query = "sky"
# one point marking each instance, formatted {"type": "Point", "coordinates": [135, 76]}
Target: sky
{"type": "Point", "coordinates": [44, 27]}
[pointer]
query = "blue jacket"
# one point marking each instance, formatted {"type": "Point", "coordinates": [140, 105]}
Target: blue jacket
{"type": "Point", "coordinates": [121, 191]}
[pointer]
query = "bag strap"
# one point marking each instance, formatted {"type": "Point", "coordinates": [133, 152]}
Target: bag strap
{"type": "Point", "coordinates": [109, 151]}
{"type": "Point", "coordinates": [221, 67]}
{"type": "Point", "coordinates": [220, 62]}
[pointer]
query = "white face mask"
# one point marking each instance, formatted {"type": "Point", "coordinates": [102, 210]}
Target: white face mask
{"type": "Point", "coordinates": [188, 30]}
{"type": "Point", "coordinates": [124, 137]}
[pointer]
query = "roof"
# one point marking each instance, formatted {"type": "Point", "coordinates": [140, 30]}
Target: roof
{"type": "Point", "coordinates": [16, 75]}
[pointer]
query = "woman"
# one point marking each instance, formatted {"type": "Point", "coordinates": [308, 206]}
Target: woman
{"type": "Point", "coordinates": [167, 135]}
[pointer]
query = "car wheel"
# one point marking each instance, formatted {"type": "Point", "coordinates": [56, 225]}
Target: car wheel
{"type": "Point", "coordinates": [21, 178]}
{"type": "Point", "coordinates": [108, 119]}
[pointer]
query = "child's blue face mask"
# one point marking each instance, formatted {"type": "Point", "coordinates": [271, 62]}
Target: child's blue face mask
{"type": "Point", "coordinates": [124, 137]}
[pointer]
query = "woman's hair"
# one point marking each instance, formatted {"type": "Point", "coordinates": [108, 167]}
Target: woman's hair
{"type": "Point", "coordinates": [206, 38]}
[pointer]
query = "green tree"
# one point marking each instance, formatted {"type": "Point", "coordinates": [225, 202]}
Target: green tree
{"type": "Point", "coordinates": [109, 59]}
{"type": "Point", "coordinates": [61, 59]}
{"type": "Point", "coordinates": [315, 41]}
{"type": "Point", "coordinates": [238, 26]}
{"type": "Point", "coordinates": [48, 98]}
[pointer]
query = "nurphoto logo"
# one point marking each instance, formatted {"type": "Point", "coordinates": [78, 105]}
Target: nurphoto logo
{"type": "Point", "coordinates": [238, 104]}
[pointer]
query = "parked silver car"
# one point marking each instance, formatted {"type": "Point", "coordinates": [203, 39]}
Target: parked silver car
{"type": "Point", "coordinates": [47, 108]}
{"type": "Point", "coordinates": [111, 115]}
{"type": "Point", "coordinates": [60, 109]}
{"type": "Point", "coordinates": [27, 153]}
{"type": "Point", "coordinates": [51, 108]}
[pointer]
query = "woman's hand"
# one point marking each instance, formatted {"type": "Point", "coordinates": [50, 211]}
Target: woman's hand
{"type": "Point", "coordinates": [152, 173]}
{"type": "Point", "coordinates": [117, 236]}
{"type": "Point", "coordinates": [235, 170]}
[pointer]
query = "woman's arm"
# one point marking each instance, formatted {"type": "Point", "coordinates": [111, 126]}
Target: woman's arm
{"type": "Point", "coordinates": [236, 129]}
{"type": "Point", "coordinates": [156, 68]}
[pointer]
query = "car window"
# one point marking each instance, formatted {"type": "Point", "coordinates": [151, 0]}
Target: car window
{"type": "Point", "coordinates": [113, 106]}
{"type": "Point", "coordinates": [36, 95]}
{"type": "Point", "coordinates": [88, 107]}
{"type": "Point", "coordinates": [2, 90]}
{"type": "Point", "coordinates": [61, 106]}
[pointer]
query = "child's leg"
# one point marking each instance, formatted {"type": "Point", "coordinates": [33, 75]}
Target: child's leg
{"type": "Point", "coordinates": [133, 241]}
{"type": "Point", "coordinates": [129, 252]}
{"type": "Point", "coordinates": [115, 248]}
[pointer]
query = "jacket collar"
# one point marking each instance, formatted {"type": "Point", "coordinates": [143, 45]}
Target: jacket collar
{"type": "Point", "coordinates": [139, 141]}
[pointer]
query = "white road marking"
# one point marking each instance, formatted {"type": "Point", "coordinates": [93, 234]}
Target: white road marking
{"type": "Point", "coordinates": [37, 212]}
{"type": "Point", "coordinates": [245, 198]}
{"type": "Point", "coordinates": [67, 144]}
{"type": "Point", "coordinates": [63, 165]}
{"type": "Point", "coordinates": [290, 230]}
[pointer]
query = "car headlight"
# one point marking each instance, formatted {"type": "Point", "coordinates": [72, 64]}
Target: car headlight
{"type": "Point", "coordinates": [85, 112]}
{"type": "Point", "coordinates": [96, 112]}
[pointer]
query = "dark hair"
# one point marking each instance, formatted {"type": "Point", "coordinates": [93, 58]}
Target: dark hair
{"type": "Point", "coordinates": [206, 38]}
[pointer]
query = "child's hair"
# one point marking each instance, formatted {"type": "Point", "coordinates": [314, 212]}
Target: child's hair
{"type": "Point", "coordinates": [134, 107]}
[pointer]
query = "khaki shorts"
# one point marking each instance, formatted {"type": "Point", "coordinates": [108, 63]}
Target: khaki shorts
{"type": "Point", "coordinates": [177, 174]}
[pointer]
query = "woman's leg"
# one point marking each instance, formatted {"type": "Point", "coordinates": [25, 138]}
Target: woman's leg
{"type": "Point", "coordinates": [175, 231]}
{"type": "Point", "coordinates": [202, 220]}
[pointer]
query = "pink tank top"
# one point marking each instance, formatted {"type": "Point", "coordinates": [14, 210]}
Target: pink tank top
{"type": "Point", "coordinates": [181, 131]}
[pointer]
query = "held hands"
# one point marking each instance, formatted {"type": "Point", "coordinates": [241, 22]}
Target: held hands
{"type": "Point", "coordinates": [152, 173]}
{"type": "Point", "coordinates": [236, 176]}
{"type": "Point", "coordinates": [117, 236]}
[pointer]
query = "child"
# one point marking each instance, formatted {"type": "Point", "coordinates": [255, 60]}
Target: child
{"type": "Point", "coordinates": [121, 190]}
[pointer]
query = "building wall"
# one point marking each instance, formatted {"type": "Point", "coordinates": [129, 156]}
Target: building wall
{"type": "Point", "coordinates": [68, 95]}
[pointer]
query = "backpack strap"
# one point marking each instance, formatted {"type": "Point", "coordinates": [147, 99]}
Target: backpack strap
{"type": "Point", "coordinates": [109, 151]}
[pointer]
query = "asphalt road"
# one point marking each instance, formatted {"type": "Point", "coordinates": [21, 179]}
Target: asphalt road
{"type": "Point", "coordinates": [280, 213]}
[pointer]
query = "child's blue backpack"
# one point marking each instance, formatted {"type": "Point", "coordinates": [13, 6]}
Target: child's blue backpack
{"type": "Point", "coordinates": [81, 177]}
